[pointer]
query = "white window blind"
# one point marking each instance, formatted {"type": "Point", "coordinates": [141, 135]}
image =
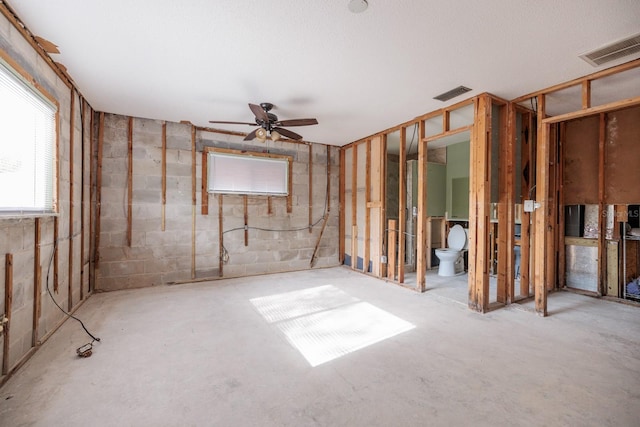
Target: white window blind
{"type": "Point", "coordinates": [246, 174]}
{"type": "Point", "coordinates": [27, 146]}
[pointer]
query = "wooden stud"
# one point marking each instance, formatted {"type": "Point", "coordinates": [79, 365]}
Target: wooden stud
{"type": "Point", "coordinates": [37, 284]}
{"type": "Point", "coordinates": [592, 111]}
{"type": "Point", "coordinates": [354, 208]}
{"type": "Point", "coordinates": [193, 202]}
{"type": "Point", "coordinates": [246, 221]}
{"type": "Point", "coordinates": [552, 206]}
{"type": "Point", "coordinates": [290, 186]}
{"type": "Point", "coordinates": [269, 207]}
{"type": "Point", "coordinates": [528, 171]}
{"type": "Point", "coordinates": [82, 201]}
{"type": "Point", "coordinates": [55, 253]}
{"type": "Point", "coordinates": [8, 298]}
{"type": "Point", "coordinates": [92, 203]}
{"type": "Point", "coordinates": [586, 94]}
{"type": "Point", "coordinates": [505, 225]}
{"type": "Point", "coordinates": [561, 230]}
{"type": "Point", "coordinates": [220, 236]}
{"type": "Point", "coordinates": [310, 188]}
{"type": "Point", "coordinates": [71, 191]}
{"type": "Point", "coordinates": [383, 203]}
{"type": "Point", "coordinates": [164, 177]}
{"type": "Point", "coordinates": [130, 182]}
{"type": "Point", "coordinates": [402, 205]}
{"type": "Point", "coordinates": [314, 255]}
{"type": "Point", "coordinates": [367, 210]}
{"type": "Point", "coordinates": [423, 232]}
{"type": "Point", "coordinates": [540, 215]}
{"type": "Point", "coordinates": [391, 241]}
{"type": "Point", "coordinates": [341, 195]}
{"type": "Point", "coordinates": [99, 188]}
{"type": "Point", "coordinates": [204, 203]}
{"type": "Point", "coordinates": [328, 178]}
{"type": "Point", "coordinates": [602, 225]}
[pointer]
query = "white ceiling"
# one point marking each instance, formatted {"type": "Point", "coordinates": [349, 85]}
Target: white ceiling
{"type": "Point", "coordinates": [358, 74]}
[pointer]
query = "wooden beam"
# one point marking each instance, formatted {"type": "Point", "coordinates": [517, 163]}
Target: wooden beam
{"type": "Point", "coordinates": [130, 181]}
{"type": "Point", "coordinates": [422, 232]}
{"type": "Point", "coordinates": [37, 284]}
{"type": "Point", "coordinates": [246, 221]}
{"type": "Point", "coordinates": [220, 237]}
{"type": "Point", "coordinates": [354, 207]}
{"type": "Point", "coordinates": [310, 188]}
{"type": "Point", "coordinates": [8, 298]}
{"type": "Point", "coordinates": [164, 177]}
{"type": "Point", "coordinates": [448, 133]}
{"type": "Point", "coordinates": [551, 212]}
{"type": "Point", "coordinates": [605, 108]}
{"type": "Point", "coordinates": [367, 211]}
{"type": "Point", "coordinates": [82, 200]}
{"type": "Point", "coordinates": [561, 230]}
{"type": "Point", "coordinates": [402, 205]}
{"type": "Point", "coordinates": [391, 258]}
{"type": "Point", "coordinates": [204, 203]}
{"type": "Point", "coordinates": [540, 215]}
{"type": "Point", "coordinates": [602, 224]}
{"type": "Point", "coordinates": [99, 188]}
{"type": "Point", "coordinates": [528, 172]}
{"type": "Point", "coordinates": [92, 203]}
{"type": "Point", "coordinates": [328, 178]}
{"type": "Point", "coordinates": [586, 94]}
{"type": "Point", "coordinates": [314, 255]}
{"type": "Point", "coordinates": [193, 202]}
{"type": "Point", "coordinates": [383, 203]}
{"type": "Point", "coordinates": [55, 253]}
{"type": "Point", "coordinates": [71, 191]}
{"type": "Point", "coordinates": [290, 185]}
{"type": "Point", "coordinates": [342, 219]}
{"type": "Point", "coordinates": [505, 228]}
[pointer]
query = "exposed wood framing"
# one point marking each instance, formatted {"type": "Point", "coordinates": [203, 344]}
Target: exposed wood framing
{"type": "Point", "coordinates": [82, 199]}
{"type": "Point", "coordinates": [8, 298]}
{"type": "Point", "coordinates": [367, 210]}
{"type": "Point", "coordinates": [402, 205]}
{"type": "Point", "coordinates": [383, 203]}
{"type": "Point", "coordinates": [37, 284]}
{"type": "Point", "coordinates": [317, 246]}
{"type": "Point", "coordinates": [164, 177]}
{"type": "Point", "coordinates": [480, 188]}
{"type": "Point", "coordinates": [99, 188]}
{"type": "Point", "coordinates": [246, 220]}
{"type": "Point", "coordinates": [290, 185]}
{"type": "Point", "coordinates": [129, 181]}
{"type": "Point", "coordinates": [586, 94]}
{"type": "Point", "coordinates": [92, 204]}
{"type": "Point", "coordinates": [391, 241]}
{"type": "Point", "coordinates": [328, 178]}
{"type": "Point", "coordinates": [528, 172]}
{"type": "Point", "coordinates": [617, 105]}
{"type": "Point", "coordinates": [506, 157]}
{"type": "Point", "coordinates": [541, 219]}
{"type": "Point", "coordinates": [204, 203]}
{"type": "Point", "coordinates": [55, 253]}
{"type": "Point", "coordinates": [423, 226]}
{"type": "Point", "coordinates": [269, 206]}
{"type": "Point", "coordinates": [310, 188]}
{"type": "Point", "coordinates": [220, 236]}
{"type": "Point", "coordinates": [193, 202]}
{"type": "Point", "coordinates": [561, 277]}
{"type": "Point", "coordinates": [71, 190]}
{"type": "Point", "coordinates": [341, 224]}
{"type": "Point", "coordinates": [31, 39]}
{"type": "Point", "coordinates": [602, 226]}
{"type": "Point", "coordinates": [354, 208]}
{"type": "Point", "coordinates": [551, 212]}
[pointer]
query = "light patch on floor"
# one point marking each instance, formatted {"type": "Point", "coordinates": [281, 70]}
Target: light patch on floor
{"type": "Point", "coordinates": [325, 323]}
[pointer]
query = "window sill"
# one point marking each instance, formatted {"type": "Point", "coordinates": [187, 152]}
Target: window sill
{"type": "Point", "coordinates": [27, 215]}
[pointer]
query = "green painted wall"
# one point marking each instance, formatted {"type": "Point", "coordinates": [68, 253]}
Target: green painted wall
{"type": "Point", "coordinates": [436, 189]}
{"type": "Point", "coordinates": [458, 157]}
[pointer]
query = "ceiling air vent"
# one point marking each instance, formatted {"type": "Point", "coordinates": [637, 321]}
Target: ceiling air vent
{"type": "Point", "coordinates": [452, 93]}
{"type": "Point", "coordinates": [613, 51]}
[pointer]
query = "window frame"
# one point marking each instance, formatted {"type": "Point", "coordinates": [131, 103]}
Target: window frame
{"type": "Point", "coordinates": [32, 84]}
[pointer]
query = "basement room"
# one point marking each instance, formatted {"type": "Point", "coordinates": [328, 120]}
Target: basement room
{"type": "Point", "coordinates": [426, 214]}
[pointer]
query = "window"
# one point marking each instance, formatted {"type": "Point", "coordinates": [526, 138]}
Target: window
{"type": "Point", "coordinates": [248, 173]}
{"type": "Point", "coordinates": [27, 146]}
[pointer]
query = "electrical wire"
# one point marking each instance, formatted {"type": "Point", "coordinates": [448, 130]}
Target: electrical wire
{"type": "Point", "coordinates": [55, 245]}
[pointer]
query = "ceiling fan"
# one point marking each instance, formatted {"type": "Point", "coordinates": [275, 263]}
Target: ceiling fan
{"type": "Point", "coordinates": [269, 125]}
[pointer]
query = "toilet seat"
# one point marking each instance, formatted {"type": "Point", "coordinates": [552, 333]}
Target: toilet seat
{"type": "Point", "coordinates": [457, 238]}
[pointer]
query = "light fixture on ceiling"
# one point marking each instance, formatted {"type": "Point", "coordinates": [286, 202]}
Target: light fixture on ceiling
{"type": "Point", "coordinates": [275, 135]}
{"type": "Point", "coordinates": [261, 135]}
{"type": "Point", "coordinates": [358, 6]}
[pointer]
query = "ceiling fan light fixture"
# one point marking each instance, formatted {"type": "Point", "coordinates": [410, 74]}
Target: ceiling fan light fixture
{"type": "Point", "coordinates": [275, 135]}
{"type": "Point", "coordinates": [357, 6]}
{"type": "Point", "coordinates": [261, 134]}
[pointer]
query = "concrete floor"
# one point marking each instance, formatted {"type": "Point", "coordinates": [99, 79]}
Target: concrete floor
{"type": "Point", "coordinates": [201, 354]}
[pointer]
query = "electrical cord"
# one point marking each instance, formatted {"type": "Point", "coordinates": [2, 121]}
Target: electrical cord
{"type": "Point", "coordinates": [94, 338]}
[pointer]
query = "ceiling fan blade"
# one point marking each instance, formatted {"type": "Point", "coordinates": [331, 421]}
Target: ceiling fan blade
{"type": "Point", "coordinates": [251, 135]}
{"type": "Point", "coordinates": [231, 123]}
{"type": "Point", "coordinates": [297, 122]}
{"type": "Point", "coordinates": [259, 113]}
{"type": "Point", "coordinates": [288, 133]}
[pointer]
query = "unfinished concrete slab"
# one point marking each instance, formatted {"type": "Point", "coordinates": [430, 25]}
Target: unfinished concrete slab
{"type": "Point", "coordinates": [202, 354]}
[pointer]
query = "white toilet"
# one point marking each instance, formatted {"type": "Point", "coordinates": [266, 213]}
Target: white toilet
{"type": "Point", "coordinates": [451, 258]}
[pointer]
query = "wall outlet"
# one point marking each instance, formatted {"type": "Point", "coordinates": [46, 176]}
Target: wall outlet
{"type": "Point", "coordinates": [383, 259]}
{"type": "Point", "coordinates": [530, 205]}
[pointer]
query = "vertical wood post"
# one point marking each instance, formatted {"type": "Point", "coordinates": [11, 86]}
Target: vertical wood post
{"type": "Point", "coordinates": [354, 246]}
{"type": "Point", "coordinates": [354, 208]}
{"type": "Point", "coordinates": [602, 224]}
{"type": "Point", "coordinates": [71, 190]}
{"type": "Point", "coordinates": [55, 253]}
{"type": "Point", "coordinates": [341, 195]}
{"type": "Point", "coordinates": [402, 205]}
{"type": "Point", "coordinates": [328, 178]}
{"type": "Point", "coordinates": [164, 176]}
{"type": "Point", "coordinates": [505, 224]}
{"type": "Point", "coordinates": [424, 225]}
{"type": "Point", "coordinates": [129, 181]}
{"type": "Point", "coordinates": [193, 202]}
{"type": "Point", "coordinates": [8, 298]}
{"type": "Point", "coordinates": [82, 204]}
{"type": "Point", "coordinates": [220, 236]}
{"type": "Point", "coordinates": [246, 221]}
{"type": "Point", "coordinates": [99, 188]}
{"type": "Point", "coordinates": [367, 210]}
{"type": "Point", "coordinates": [310, 188]}
{"type": "Point", "coordinates": [392, 240]}
{"type": "Point", "coordinates": [541, 219]}
{"type": "Point", "coordinates": [37, 284]}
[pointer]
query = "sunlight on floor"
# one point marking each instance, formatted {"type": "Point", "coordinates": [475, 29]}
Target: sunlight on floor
{"type": "Point", "coordinates": [325, 323]}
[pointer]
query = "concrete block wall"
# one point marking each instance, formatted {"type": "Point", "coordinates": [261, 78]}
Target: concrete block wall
{"type": "Point", "coordinates": [17, 233]}
{"type": "Point", "coordinates": [159, 257]}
